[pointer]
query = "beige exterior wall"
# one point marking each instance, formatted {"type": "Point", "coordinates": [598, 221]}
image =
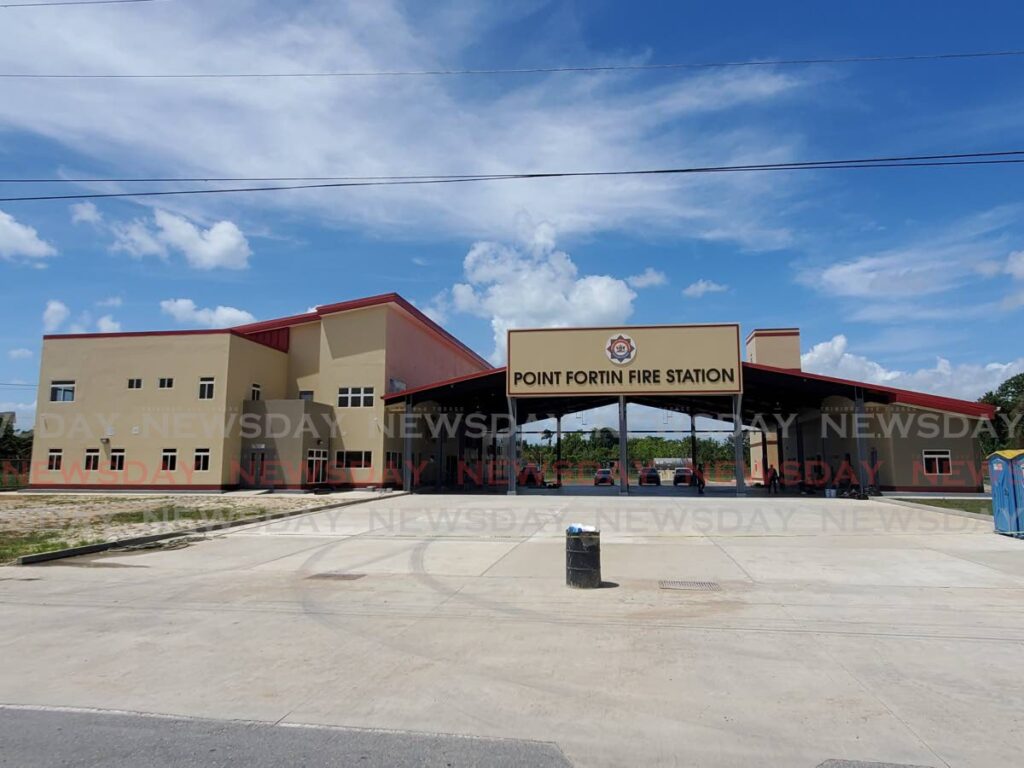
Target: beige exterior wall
{"type": "Point", "coordinates": [106, 415]}
{"type": "Point", "coordinates": [304, 359]}
{"type": "Point", "coordinates": [779, 348]}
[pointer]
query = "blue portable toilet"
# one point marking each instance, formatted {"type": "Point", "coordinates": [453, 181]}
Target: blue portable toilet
{"type": "Point", "coordinates": [1007, 490]}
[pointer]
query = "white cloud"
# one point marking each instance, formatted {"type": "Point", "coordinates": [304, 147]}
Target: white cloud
{"type": "Point", "coordinates": [534, 285]}
{"type": "Point", "coordinates": [649, 278]}
{"type": "Point", "coordinates": [19, 354]}
{"type": "Point", "coordinates": [701, 287]}
{"type": "Point", "coordinates": [108, 324]}
{"type": "Point", "coordinates": [20, 241]}
{"type": "Point", "coordinates": [54, 315]}
{"type": "Point", "coordinates": [1015, 265]}
{"type": "Point", "coordinates": [136, 239]}
{"type": "Point", "coordinates": [222, 246]}
{"type": "Point", "coordinates": [968, 381]}
{"type": "Point", "coordinates": [86, 213]}
{"type": "Point", "coordinates": [112, 301]}
{"type": "Point", "coordinates": [931, 264]}
{"type": "Point", "coordinates": [419, 261]}
{"type": "Point", "coordinates": [268, 127]}
{"type": "Point", "coordinates": [185, 311]}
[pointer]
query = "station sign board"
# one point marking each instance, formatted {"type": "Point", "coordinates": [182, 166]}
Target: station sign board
{"type": "Point", "coordinates": [625, 360]}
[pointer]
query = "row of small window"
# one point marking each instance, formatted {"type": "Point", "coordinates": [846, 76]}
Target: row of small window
{"type": "Point", "coordinates": [168, 459]}
{"type": "Point", "coordinates": [355, 459]}
{"type": "Point", "coordinates": [64, 391]}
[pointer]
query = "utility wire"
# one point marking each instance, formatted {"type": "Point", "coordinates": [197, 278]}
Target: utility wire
{"type": "Point", "coordinates": [69, 2]}
{"type": "Point", "coordinates": [496, 176]}
{"type": "Point", "coordinates": [1004, 158]}
{"type": "Point", "coordinates": [17, 386]}
{"type": "Point", "coordinates": [521, 71]}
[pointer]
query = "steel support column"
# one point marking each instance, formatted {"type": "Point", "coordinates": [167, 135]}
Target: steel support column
{"type": "Point", "coordinates": [558, 451]}
{"type": "Point", "coordinates": [407, 430]}
{"type": "Point", "coordinates": [861, 448]}
{"type": "Point", "coordinates": [623, 448]}
{"type": "Point", "coordinates": [737, 440]}
{"type": "Point", "coordinates": [513, 461]}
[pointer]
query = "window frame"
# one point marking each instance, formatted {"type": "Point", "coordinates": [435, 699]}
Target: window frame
{"type": "Point", "coordinates": [64, 386]}
{"type": "Point", "coordinates": [169, 460]}
{"type": "Point", "coordinates": [356, 397]}
{"type": "Point", "coordinates": [347, 460]}
{"type": "Point", "coordinates": [54, 459]}
{"type": "Point", "coordinates": [256, 392]}
{"type": "Point", "coordinates": [937, 455]}
{"type": "Point", "coordinates": [92, 456]}
{"type": "Point", "coordinates": [120, 454]}
{"type": "Point", "coordinates": [135, 383]}
{"type": "Point", "coordinates": [201, 456]}
{"type": "Point", "coordinates": [165, 382]}
{"type": "Point", "coordinates": [205, 381]}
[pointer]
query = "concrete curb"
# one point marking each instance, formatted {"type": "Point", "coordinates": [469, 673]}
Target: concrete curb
{"type": "Point", "coordinates": [90, 549]}
{"type": "Point", "coordinates": [929, 508]}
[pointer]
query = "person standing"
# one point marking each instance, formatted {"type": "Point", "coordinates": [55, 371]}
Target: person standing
{"type": "Point", "coordinates": [700, 479]}
{"type": "Point", "coordinates": [773, 480]}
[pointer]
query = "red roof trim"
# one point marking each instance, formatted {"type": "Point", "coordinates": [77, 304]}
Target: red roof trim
{"type": "Point", "coordinates": [446, 382]}
{"type": "Point", "coordinates": [905, 396]}
{"type": "Point", "coordinates": [369, 301]}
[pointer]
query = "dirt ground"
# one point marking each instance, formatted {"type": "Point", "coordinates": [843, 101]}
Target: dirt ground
{"type": "Point", "coordinates": [32, 522]}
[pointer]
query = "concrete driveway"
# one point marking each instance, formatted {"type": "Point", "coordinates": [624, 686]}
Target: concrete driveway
{"type": "Point", "coordinates": [831, 630]}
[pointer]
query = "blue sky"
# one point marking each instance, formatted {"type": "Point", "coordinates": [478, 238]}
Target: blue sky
{"type": "Point", "coordinates": [907, 277]}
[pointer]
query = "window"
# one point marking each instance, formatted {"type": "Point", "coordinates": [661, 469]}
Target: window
{"type": "Point", "coordinates": [134, 383]}
{"type": "Point", "coordinates": [206, 388]}
{"type": "Point", "coordinates": [62, 391]}
{"type": "Point", "coordinates": [353, 459]}
{"type": "Point", "coordinates": [117, 459]}
{"type": "Point", "coordinates": [316, 465]}
{"type": "Point", "coordinates": [937, 462]}
{"type": "Point", "coordinates": [306, 394]}
{"type": "Point", "coordinates": [355, 397]}
{"type": "Point", "coordinates": [256, 391]}
{"type": "Point", "coordinates": [201, 460]}
{"type": "Point", "coordinates": [169, 460]}
{"type": "Point", "coordinates": [166, 383]}
{"type": "Point", "coordinates": [393, 459]}
{"type": "Point", "coordinates": [92, 459]}
{"type": "Point", "coordinates": [55, 459]}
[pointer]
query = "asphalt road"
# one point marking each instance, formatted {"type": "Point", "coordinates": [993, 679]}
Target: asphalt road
{"type": "Point", "coordinates": [31, 738]}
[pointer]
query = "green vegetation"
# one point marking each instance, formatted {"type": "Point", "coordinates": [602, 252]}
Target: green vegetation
{"type": "Point", "coordinates": [14, 544]}
{"type": "Point", "coordinates": [601, 447]}
{"type": "Point", "coordinates": [15, 452]}
{"type": "Point", "coordinates": [982, 506]}
{"type": "Point", "coordinates": [1009, 399]}
{"type": "Point", "coordinates": [172, 512]}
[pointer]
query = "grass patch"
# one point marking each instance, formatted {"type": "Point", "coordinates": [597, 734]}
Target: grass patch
{"type": "Point", "coordinates": [982, 506]}
{"type": "Point", "coordinates": [172, 512]}
{"type": "Point", "coordinates": [14, 544]}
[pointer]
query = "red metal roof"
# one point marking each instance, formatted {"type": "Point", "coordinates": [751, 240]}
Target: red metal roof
{"type": "Point", "coordinates": [904, 396]}
{"type": "Point", "coordinates": [443, 383]}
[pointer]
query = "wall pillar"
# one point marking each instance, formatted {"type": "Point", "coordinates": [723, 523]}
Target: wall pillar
{"type": "Point", "coordinates": [693, 441]}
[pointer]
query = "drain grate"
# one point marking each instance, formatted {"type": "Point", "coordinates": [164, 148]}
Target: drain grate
{"type": "Point", "coordinates": [692, 586]}
{"type": "Point", "coordinates": [337, 576]}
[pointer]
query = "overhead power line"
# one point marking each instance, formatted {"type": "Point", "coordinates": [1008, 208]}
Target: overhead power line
{"type": "Point", "coordinates": [495, 176]}
{"type": "Point", "coordinates": [9, 385]}
{"type": "Point", "coordinates": [668, 66]}
{"type": "Point", "coordinates": [72, 2]}
{"type": "Point", "coordinates": [911, 161]}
